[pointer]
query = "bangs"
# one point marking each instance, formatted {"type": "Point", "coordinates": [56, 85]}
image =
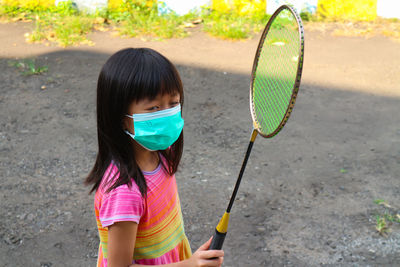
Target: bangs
{"type": "Point", "coordinates": [154, 75]}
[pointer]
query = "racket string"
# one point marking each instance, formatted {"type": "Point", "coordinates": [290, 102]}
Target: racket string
{"type": "Point", "coordinates": [276, 73]}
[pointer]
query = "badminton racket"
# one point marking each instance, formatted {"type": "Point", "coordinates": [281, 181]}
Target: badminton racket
{"type": "Point", "coordinates": [275, 81]}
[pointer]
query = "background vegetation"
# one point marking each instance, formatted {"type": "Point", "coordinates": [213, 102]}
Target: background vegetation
{"type": "Point", "coordinates": [358, 10]}
{"type": "Point", "coordinates": [65, 25]}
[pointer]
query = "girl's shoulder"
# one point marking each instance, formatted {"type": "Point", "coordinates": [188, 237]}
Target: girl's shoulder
{"type": "Point", "coordinates": [110, 177]}
{"type": "Point", "coordinates": [123, 203]}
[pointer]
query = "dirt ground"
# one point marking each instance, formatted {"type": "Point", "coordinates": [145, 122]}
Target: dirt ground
{"type": "Point", "coordinates": [307, 198]}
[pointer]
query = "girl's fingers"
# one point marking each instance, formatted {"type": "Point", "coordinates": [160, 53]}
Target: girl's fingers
{"type": "Point", "coordinates": [209, 262]}
{"type": "Point", "coordinates": [206, 245]}
{"type": "Point", "coordinates": [209, 258]}
{"type": "Point", "coordinates": [210, 254]}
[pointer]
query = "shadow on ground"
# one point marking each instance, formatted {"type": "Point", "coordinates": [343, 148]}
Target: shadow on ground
{"type": "Point", "coordinates": [307, 195]}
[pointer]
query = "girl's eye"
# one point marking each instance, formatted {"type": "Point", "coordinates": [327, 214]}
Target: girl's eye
{"type": "Point", "coordinates": [154, 108]}
{"type": "Point", "coordinates": [174, 104]}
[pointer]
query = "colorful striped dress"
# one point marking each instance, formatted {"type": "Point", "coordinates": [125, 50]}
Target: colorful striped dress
{"type": "Point", "coordinates": [160, 235]}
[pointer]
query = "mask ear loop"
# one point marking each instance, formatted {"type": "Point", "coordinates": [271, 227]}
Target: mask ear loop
{"type": "Point", "coordinates": [128, 132]}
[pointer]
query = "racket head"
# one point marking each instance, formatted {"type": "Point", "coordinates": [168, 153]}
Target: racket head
{"type": "Point", "coordinates": [276, 74]}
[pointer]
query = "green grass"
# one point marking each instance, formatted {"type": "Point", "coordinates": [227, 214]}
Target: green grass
{"type": "Point", "coordinates": [231, 25]}
{"type": "Point", "coordinates": [136, 19]}
{"type": "Point", "coordinates": [381, 225]}
{"type": "Point", "coordinates": [386, 217]}
{"type": "Point", "coordinates": [64, 25]}
{"type": "Point", "coordinates": [63, 30]}
{"type": "Point", "coordinates": [29, 67]}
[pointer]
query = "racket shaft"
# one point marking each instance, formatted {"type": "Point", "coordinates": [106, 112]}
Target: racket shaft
{"type": "Point", "coordinates": [239, 179]}
{"type": "Point", "coordinates": [222, 227]}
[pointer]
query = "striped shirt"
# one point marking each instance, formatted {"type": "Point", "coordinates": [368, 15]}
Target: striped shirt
{"type": "Point", "coordinates": [160, 235]}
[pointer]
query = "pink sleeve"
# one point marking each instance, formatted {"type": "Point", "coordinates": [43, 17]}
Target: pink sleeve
{"type": "Point", "coordinates": [121, 204]}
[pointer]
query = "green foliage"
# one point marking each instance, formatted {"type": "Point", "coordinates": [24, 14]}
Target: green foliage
{"type": "Point", "coordinates": [386, 217]}
{"type": "Point", "coordinates": [10, 11]}
{"type": "Point", "coordinates": [65, 8]}
{"type": "Point", "coordinates": [29, 67]}
{"type": "Point", "coordinates": [61, 24]}
{"type": "Point", "coordinates": [381, 225]}
{"type": "Point", "coordinates": [306, 16]}
{"type": "Point", "coordinates": [65, 25]}
{"type": "Point", "coordinates": [379, 201]}
{"type": "Point", "coordinates": [232, 25]}
{"type": "Point", "coordinates": [342, 10]}
{"type": "Point", "coordinates": [138, 18]}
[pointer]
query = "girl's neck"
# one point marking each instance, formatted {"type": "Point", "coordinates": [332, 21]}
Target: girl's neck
{"type": "Point", "coordinates": [147, 160]}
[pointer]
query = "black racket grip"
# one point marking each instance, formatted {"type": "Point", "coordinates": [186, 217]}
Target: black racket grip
{"type": "Point", "coordinates": [217, 241]}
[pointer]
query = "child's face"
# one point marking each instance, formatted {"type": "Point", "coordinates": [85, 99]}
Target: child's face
{"type": "Point", "coordinates": [161, 102]}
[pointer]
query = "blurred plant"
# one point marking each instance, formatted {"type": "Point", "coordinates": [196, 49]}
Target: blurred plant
{"type": "Point", "coordinates": [342, 10]}
{"type": "Point", "coordinates": [241, 7]}
{"type": "Point", "coordinates": [62, 24]}
{"type": "Point", "coordinates": [381, 202]}
{"type": "Point", "coordinates": [142, 18]}
{"type": "Point", "coordinates": [23, 9]}
{"type": "Point", "coordinates": [385, 219]}
{"type": "Point", "coordinates": [29, 67]}
{"type": "Point", "coordinates": [233, 24]}
{"type": "Point", "coordinates": [306, 16]}
{"type": "Point", "coordinates": [16, 7]}
{"type": "Point", "coordinates": [65, 25]}
{"type": "Point", "coordinates": [381, 226]}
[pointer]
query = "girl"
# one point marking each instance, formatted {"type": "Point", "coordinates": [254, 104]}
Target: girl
{"type": "Point", "coordinates": [139, 128]}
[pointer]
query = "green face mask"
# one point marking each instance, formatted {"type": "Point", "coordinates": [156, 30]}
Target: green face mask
{"type": "Point", "coordinates": [157, 130]}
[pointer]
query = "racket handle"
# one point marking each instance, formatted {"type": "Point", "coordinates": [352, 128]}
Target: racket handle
{"type": "Point", "coordinates": [217, 240]}
{"type": "Point", "coordinates": [220, 232]}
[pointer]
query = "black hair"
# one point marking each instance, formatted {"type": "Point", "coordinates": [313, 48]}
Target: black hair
{"type": "Point", "coordinates": [129, 75]}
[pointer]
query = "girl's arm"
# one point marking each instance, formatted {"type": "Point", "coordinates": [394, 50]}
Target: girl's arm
{"type": "Point", "coordinates": [121, 245]}
{"type": "Point", "coordinates": [201, 258]}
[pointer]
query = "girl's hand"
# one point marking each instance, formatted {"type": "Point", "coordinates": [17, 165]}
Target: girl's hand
{"type": "Point", "coordinates": [206, 258]}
